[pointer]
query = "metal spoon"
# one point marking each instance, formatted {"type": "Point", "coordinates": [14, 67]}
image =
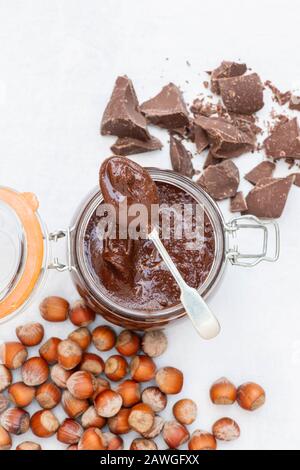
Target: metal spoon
{"type": "Point", "coordinates": [202, 318]}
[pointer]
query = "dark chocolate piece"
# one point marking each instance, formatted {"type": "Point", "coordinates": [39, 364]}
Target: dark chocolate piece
{"type": "Point", "coordinates": [181, 158]}
{"type": "Point", "coordinates": [122, 116]}
{"type": "Point", "coordinates": [268, 198]}
{"type": "Point", "coordinates": [284, 140]}
{"type": "Point", "coordinates": [263, 170]}
{"type": "Point", "coordinates": [200, 138]}
{"type": "Point", "coordinates": [211, 160]}
{"type": "Point", "coordinates": [220, 181]}
{"type": "Point", "coordinates": [243, 94]}
{"type": "Point", "coordinates": [278, 96]}
{"type": "Point", "coordinates": [294, 103]}
{"type": "Point", "coordinates": [227, 140]}
{"type": "Point", "coordinates": [167, 109]}
{"type": "Point", "coordinates": [238, 203]}
{"type": "Point", "coordinates": [129, 146]}
{"type": "Point", "coordinates": [225, 70]}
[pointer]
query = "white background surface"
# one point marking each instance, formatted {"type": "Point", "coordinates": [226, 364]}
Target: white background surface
{"type": "Point", "coordinates": [58, 63]}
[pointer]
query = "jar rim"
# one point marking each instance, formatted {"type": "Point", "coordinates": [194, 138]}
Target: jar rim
{"type": "Point", "coordinates": [216, 219]}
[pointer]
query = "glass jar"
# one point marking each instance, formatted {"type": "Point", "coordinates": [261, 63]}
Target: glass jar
{"type": "Point", "coordinates": [226, 249]}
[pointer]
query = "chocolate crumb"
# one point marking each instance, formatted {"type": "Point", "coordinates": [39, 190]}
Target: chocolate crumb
{"type": "Point", "coordinates": [242, 94]}
{"type": "Point", "coordinates": [221, 181]}
{"type": "Point", "coordinates": [129, 146]}
{"type": "Point", "coordinates": [181, 158]}
{"type": "Point", "coordinates": [225, 70]}
{"type": "Point", "coordinates": [263, 170]}
{"type": "Point", "coordinates": [294, 103]}
{"type": "Point", "coordinates": [278, 96]}
{"type": "Point", "coordinates": [284, 140]}
{"type": "Point", "coordinates": [238, 203]}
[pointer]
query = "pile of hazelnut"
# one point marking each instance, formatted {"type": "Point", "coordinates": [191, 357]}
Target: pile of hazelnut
{"type": "Point", "coordinates": [66, 373]}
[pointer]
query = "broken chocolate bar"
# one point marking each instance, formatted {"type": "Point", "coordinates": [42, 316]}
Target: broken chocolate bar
{"type": "Point", "coordinates": [242, 94]}
{"type": "Point", "coordinates": [122, 116]}
{"type": "Point", "coordinates": [181, 158]}
{"type": "Point", "coordinates": [129, 146]}
{"type": "Point", "coordinates": [227, 140]}
{"type": "Point", "coordinates": [167, 109]}
{"type": "Point", "coordinates": [221, 181]}
{"type": "Point", "coordinates": [263, 170]}
{"type": "Point", "coordinates": [268, 198]}
{"type": "Point", "coordinates": [238, 203]}
{"type": "Point", "coordinates": [284, 140]}
{"type": "Point", "coordinates": [225, 70]}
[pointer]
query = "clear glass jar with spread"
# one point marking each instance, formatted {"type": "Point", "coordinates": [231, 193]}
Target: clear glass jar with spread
{"type": "Point", "coordinates": [36, 246]}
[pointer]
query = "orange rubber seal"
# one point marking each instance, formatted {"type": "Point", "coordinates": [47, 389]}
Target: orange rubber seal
{"type": "Point", "coordinates": [25, 206]}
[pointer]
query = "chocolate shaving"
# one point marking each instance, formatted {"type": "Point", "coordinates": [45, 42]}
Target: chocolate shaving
{"type": "Point", "coordinates": [129, 146]}
{"type": "Point", "coordinates": [242, 94]}
{"type": "Point", "coordinates": [167, 109]}
{"type": "Point", "coordinates": [225, 70]}
{"type": "Point", "coordinates": [227, 140]}
{"type": "Point", "coordinates": [238, 203]}
{"type": "Point", "coordinates": [122, 116]}
{"type": "Point", "coordinates": [220, 181]}
{"type": "Point", "coordinates": [284, 140]}
{"type": "Point", "coordinates": [263, 170]}
{"type": "Point", "coordinates": [181, 158]}
{"type": "Point", "coordinates": [278, 96]}
{"type": "Point", "coordinates": [268, 198]}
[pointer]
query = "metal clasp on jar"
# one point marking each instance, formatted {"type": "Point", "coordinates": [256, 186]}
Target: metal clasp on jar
{"type": "Point", "coordinates": [55, 263]}
{"type": "Point", "coordinates": [246, 222]}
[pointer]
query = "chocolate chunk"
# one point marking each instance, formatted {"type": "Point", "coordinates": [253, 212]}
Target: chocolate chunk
{"type": "Point", "coordinates": [263, 170]}
{"type": "Point", "coordinates": [238, 203]}
{"type": "Point", "coordinates": [225, 70]}
{"type": "Point", "coordinates": [122, 116]}
{"type": "Point", "coordinates": [167, 109]}
{"type": "Point", "coordinates": [278, 96]}
{"type": "Point", "coordinates": [243, 94]}
{"type": "Point", "coordinates": [181, 158]}
{"type": "Point", "coordinates": [284, 140]}
{"type": "Point", "coordinates": [211, 160]}
{"type": "Point", "coordinates": [268, 198]}
{"type": "Point", "coordinates": [294, 103]}
{"type": "Point", "coordinates": [220, 181]}
{"type": "Point", "coordinates": [297, 179]}
{"type": "Point", "coordinates": [200, 138]}
{"type": "Point", "coordinates": [129, 146]}
{"type": "Point", "coordinates": [227, 140]}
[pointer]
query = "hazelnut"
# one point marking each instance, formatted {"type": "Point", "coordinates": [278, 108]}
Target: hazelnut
{"type": "Point", "coordinates": [143, 444]}
{"type": "Point", "coordinates": [72, 406]}
{"type": "Point", "coordinates": [226, 429]}
{"type": "Point", "coordinates": [92, 363]}
{"type": "Point", "coordinates": [154, 343]}
{"type": "Point", "coordinates": [69, 432]}
{"type": "Point", "coordinates": [69, 354]}
{"type": "Point", "coordinates": [15, 421]}
{"type": "Point", "coordinates": [142, 369]}
{"type": "Point", "coordinates": [130, 393]}
{"type": "Point", "coordinates": [223, 392]}
{"type": "Point", "coordinates": [82, 337]}
{"type": "Point", "coordinates": [108, 403]}
{"type": "Point", "coordinates": [116, 368]}
{"type": "Point", "coordinates": [59, 375]}
{"type": "Point", "coordinates": [156, 428]}
{"type": "Point", "coordinates": [153, 397]}
{"type": "Point", "coordinates": [49, 350]}
{"type": "Point", "coordinates": [35, 371]}
{"type": "Point", "coordinates": [128, 343]}
{"type": "Point", "coordinates": [5, 378]}
{"type": "Point", "coordinates": [119, 424]}
{"type": "Point", "coordinates": [21, 395]}
{"type": "Point", "coordinates": [28, 445]}
{"type": "Point", "coordinates": [141, 418]}
{"type": "Point", "coordinates": [81, 314]}
{"type": "Point", "coordinates": [82, 384]}
{"type": "Point", "coordinates": [30, 334]}
{"type": "Point", "coordinates": [104, 338]}
{"type": "Point", "coordinates": [92, 439]}
{"type": "Point", "coordinates": [5, 439]}
{"type": "Point", "coordinates": [91, 419]}
{"type": "Point", "coordinates": [44, 423]}
{"type": "Point", "coordinates": [4, 402]}
{"type": "Point", "coordinates": [101, 385]}
{"type": "Point", "coordinates": [175, 434]}
{"type": "Point", "coordinates": [185, 411]}
{"type": "Point", "coordinates": [113, 442]}
{"type": "Point", "coordinates": [54, 309]}
{"type": "Point", "coordinates": [251, 396]}
{"type": "Point", "coordinates": [48, 396]}
{"type": "Point", "coordinates": [169, 380]}
{"type": "Point", "coordinates": [202, 440]}
{"type": "Point", "coordinates": [13, 354]}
